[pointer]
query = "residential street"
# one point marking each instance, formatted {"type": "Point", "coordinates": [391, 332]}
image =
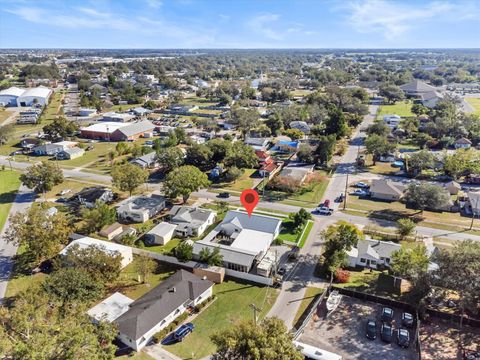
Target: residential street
{"type": "Point", "coordinates": [23, 201]}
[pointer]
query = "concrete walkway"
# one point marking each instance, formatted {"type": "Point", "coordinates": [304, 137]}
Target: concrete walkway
{"type": "Point", "coordinates": [23, 201]}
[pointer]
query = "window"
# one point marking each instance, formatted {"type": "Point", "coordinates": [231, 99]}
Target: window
{"type": "Point", "coordinates": [362, 260]}
{"type": "Point", "coordinates": [373, 262]}
{"type": "Point", "coordinates": [177, 311]}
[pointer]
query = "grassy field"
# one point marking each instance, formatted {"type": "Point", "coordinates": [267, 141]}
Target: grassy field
{"type": "Point", "coordinates": [4, 114]}
{"type": "Point", "coordinates": [232, 305]}
{"type": "Point", "coordinates": [53, 108]}
{"type": "Point", "coordinates": [124, 107]}
{"type": "Point", "coordinates": [197, 101]}
{"type": "Point", "coordinates": [401, 108]}
{"type": "Point", "coordinates": [73, 185]}
{"type": "Point", "coordinates": [475, 102]}
{"type": "Point", "coordinates": [244, 182]}
{"type": "Point", "coordinates": [97, 154]}
{"type": "Point", "coordinates": [164, 249]}
{"type": "Point", "coordinates": [300, 92]}
{"type": "Point", "coordinates": [309, 296]}
{"type": "Point", "coordinates": [9, 183]}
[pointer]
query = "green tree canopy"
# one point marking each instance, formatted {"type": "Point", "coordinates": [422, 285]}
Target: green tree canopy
{"type": "Point", "coordinates": [184, 251]}
{"type": "Point", "coordinates": [392, 92]}
{"type": "Point", "coordinates": [199, 155]}
{"type": "Point", "coordinates": [183, 181]}
{"type": "Point", "coordinates": [410, 262]}
{"type": "Point", "coordinates": [98, 216]}
{"type": "Point", "coordinates": [378, 146]}
{"type": "Point", "coordinates": [240, 155]}
{"type": "Point", "coordinates": [60, 128]}
{"type": "Point", "coordinates": [127, 177]}
{"type": "Point", "coordinates": [42, 177]}
{"type": "Point", "coordinates": [426, 196]}
{"type": "Point", "coordinates": [170, 158]}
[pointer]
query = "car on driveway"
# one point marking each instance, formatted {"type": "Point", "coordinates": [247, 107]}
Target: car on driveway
{"type": "Point", "coordinates": [403, 338]}
{"type": "Point", "coordinates": [387, 314]}
{"type": "Point", "coordinates": [359, 192]}
{"type": "Point", "coordinates": [386, 332]}
{"type": "Point", "coordinates": [407, 320]}
{"type": "Point", "coordinates": [322, 210]}
{"type": "Point", "coordinates": [362, 185]}
{"type": "Point", "coordinates": [371, 330]}
{"type": "Point", "coordinates": [183, 331]}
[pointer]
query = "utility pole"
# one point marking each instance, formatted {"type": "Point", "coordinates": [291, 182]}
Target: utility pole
{"type": "Point", "coordinates": [255, 310]}
{"type": "Point", "coordinates": [473, 212]}
{"type": "Point", "coordinates": [345, 197]}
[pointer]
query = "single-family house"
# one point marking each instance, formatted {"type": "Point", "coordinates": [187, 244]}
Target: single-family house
{"type": "Point", "coordinates": [392, 120]}
{"type": "Point", "coordinates": [161, 234]}
{"type": "Point", "coordinates": [386, 190]}
{"type": "Point", "coordinates": [242, 240]}
{"type": "Point", "coordinates": [140, 111]}
{"type": "Point", "coordinates": [47, 149]}
{"type": "Point", "coordinates": [87, 112]}
{"type": "Point", "coordinates": [452, 187]}
{"type": "Point", "coordinates": [416, 88]}
{"type": "Point", "coordinates": [107, 246]}
{"type": "Point", "coordinates": [430, 99]}
{"type": "Point", "coordinates": [258, 143]}
{"type": "Point", "coordinates": [286, 146]}
{"type": "Point", "coordinates": [147, 161]}
{"type": "Point", "coordinates": [89, 196]}
{"type": "Point", "coordinates": [111, 231]}
{"type": "Point", "coordinates": [462, 143]}
{"type": "Point", "coordinates": [71, 153]}
{"type": "Point", "coordinates": [141, 208]}
{"type": "Point", "coordinates": [472, 204]}
{"type": "Point", "coordinates": [29, 143]}
{"type": "Point", "coordinates": [372, 253]}
{"type": "Point", "coordinates": [300, 125]}
{"type": "Point", "coordinates": [268, 169]}
{"type": "Point", "coordinates": [191, 221]}
{"type": "Point", "coordinates": [263, 156]}
{"type": "Point", "coordinates": [160, 306]}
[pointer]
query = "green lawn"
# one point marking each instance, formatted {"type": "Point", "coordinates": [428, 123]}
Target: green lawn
{"type": "Point", "coordinates": [9, 184]}
{"type": "Point", "coordinates": [287, 233]}
{"type": "Point", "coordinates": [244, 182]}
{"type": "Point", "coordinates": [53, 108]}
{"type": "Point", "coordinates": [124, 107]}
{"type": "Point", "coordinates": [165, 249]}
{"type": "Point", "coordinates": [232, 305]}
{"type": "Point", "coordinates": [97, 155]}
{"type": "Point", "coordinates": [401, 108]}
{"type": "Point", "coordinates": [304, 237]}
{"type": "Point", "coordinates": [4, 114]}
{"type": "Point", "coordinates": [135, 356]}
{"type": "Point", "coordinates": [73, 185]}
{"type": "Point", "coordinates": [300, 92]}
{"type": "Point", "coordinates": [197, 101]}
{"type": "Point", "coordinates": [21, 282]}
{"type": "Point", "coordinates": [475, 102]}
{"type": "Point", "coordinates": [308, 298]}
{"type": "Point", "coordinates": [128, 281]}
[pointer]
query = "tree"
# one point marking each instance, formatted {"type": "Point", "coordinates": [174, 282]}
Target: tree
{"type": "Point", "coordinates": [457, 270]}
{"type": "Point", "coordinates": [199, 155]}
{"type": "Point", "coordinates": [144, 266]}
{"type": "Point", "coordinates": [98, 216]}
{"type": "Point", "coordinates": [419, 109]}
{"type": "Point", "coordinates": [127, 177]}
{"type": "Point", "coordinates": [6, 132]}
{"type": "Point", "coordinates": [275, 123]}
{"type": "Point", "coordinates": [60, 128]}
{"type": "Point", "coordinates": [300, 218]}
{"type": "Point", "coordinates": [150, 104]}
{"type": "Point", "coordinates": [269, 340]}
{"type": "Point", "coordinates": [170, 158]}
{"type": "Point", "coordinates": [305, 154]}
{"type": "Point", "coordinates": [378, 146]}
{"type": "Point", "coordinates": [405, 227]}
{"type": "Point", "coordinates": [73, 286]}
{"type": "Point", "coordinates": [339, 239]}
{"type": "Point", "coordinates": [325, 148]}
{"type": "Point", "coordinates": [240, 155]}
{"type": "Point", "coordinates": [42, 177]}
{"type": "Point", "coordinates": [39, 328]}
{"type": "Point", "coordinates": [184, 251]}
{"type": "Point", "coordinates": [426, 196]}
{"type": "Point", "coordinates": [336, 124]}
{"type": "Point", "coordinates": [393, 93]}
{"type": "Point", "coordinates": [245, 119]}
{"type": "Point", "coordinates": [211, 257]}
{"type": "Point", "coordinates": [219, 149]}
{"type": "Point", "coordinates": [461, 162]}
{"type": "Point", "coordinates": [40, 234]}
{"type": "Point", "coordinates": [379, 128]}
{"type": "Point", "coordinates": [420, 161]}
{"type": "Point", "coordinates": [410, 263]}
{"type": "Point", "coordinates": [294, 134]}
{"type": "Point", "coordinates": [233, 173]}
{"type": "Point", "coordinates": [183, 181]}
{"type": "Point", "coordinates": [96, 260]}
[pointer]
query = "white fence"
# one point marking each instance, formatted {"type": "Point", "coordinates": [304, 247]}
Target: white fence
{"type": "Point", "coordinates": [192, 264]}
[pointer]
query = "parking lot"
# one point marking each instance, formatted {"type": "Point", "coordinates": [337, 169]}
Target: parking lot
{"type": "Point", "coordinates": [343, 332]}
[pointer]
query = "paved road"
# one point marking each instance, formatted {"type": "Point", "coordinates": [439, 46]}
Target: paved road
{"type": "Point", "coordinates": [23, 201]}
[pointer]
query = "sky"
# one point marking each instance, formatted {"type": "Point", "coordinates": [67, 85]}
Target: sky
{"type": "Point", "coordinates": [175, 24]}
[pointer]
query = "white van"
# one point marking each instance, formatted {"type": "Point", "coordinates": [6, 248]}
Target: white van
{"type": "Point", "coordinates": [314, 353]}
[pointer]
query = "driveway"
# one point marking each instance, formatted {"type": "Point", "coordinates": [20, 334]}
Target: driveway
{"type": "Point", "coordinates": [23, 201]}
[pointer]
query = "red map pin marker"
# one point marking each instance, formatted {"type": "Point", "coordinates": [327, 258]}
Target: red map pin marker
{"type": "Point", "coordinates": [249, 200]}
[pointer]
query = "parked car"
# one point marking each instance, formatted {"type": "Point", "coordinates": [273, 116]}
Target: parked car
{"type": "Point", "coordinates": [387, 315]}
{"type": "Point", "coordinates": [371, 330]}
{"type": "Point", "coordinates": [224, 195]}
{"type": "Point", "coordinates": [359, 192]}
{"type": "Point", "coordinates": [362, 185]}
{"type": "Point", "coordinates": [339, 199]}
{"type": "Point", "coordinates": [183, 331]}
{"type": "Point", "coordinates": [64, 192]}
{"type": "Point", "coordinates": [407, 320]}
{"type": "Point", "coordinates": [281, 270]}
{"type": "Point", "coordinates": [322, 210]}
{"type": "Point", "coordinates": [386, 332]}
{"type": "Point", "coordinates": [403, 338]}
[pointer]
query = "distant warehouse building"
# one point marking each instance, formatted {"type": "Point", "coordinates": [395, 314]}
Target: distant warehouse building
{"type": "Point", "coordinates": [113, 131]}
{"type": "Point", "coordinates": [15, 96]}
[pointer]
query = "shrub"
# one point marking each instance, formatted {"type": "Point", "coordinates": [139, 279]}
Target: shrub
{"type": "Point", "coordinates": [285, 184]}
{"type": "Point", "coordinates": [342, 276]}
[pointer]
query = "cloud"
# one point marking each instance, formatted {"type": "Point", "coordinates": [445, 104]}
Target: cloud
{"type": "Point", "coordinates": [393, 19]}
{"type": "Point", "coordinates": [154, 3]}
{"type": "Point", "coordinates": [262, 24]}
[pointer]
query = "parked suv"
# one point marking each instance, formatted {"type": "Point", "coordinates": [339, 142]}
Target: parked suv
{"type": "Point", "coordinates": [183, 331]}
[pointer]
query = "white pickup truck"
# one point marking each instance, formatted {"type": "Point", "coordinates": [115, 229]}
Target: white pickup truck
{"type": "Point", "coordinates": [323, 210]}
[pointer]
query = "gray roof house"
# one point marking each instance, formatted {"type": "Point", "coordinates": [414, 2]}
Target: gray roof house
{"type": "Point", "coordinates": [47, 149]}
{"type": "Point", "coordinates": [191, 221]}
{"type": "Point", "coordinates": [386, 190]}
{"type": "Point", "coordinates": [257, 143]}
{"type": "Point", "coordinates": [416, 88]}
{"type": "Point", "coordinates": [161, 234]}
{"type": "Point", "coordinates": [242, 240]}
{"type": "Point", "coordinates": [146, 161]}
{"type": "Point", "coordinates": [88, 196]}
{"type": "Point", "coordinates": [141, 208]}
{"type": "Point", "coordinates": [372, 253]}
{"type": "Point", "coordinates": [160, 306]}
{"type": "Point", "coordinates": [300, 125]}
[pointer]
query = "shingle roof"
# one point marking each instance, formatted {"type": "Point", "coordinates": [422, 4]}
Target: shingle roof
{"type": "Point", "coordinates": [154, 306]}
{"type": "Point", "coordinates": [386, 187]}
{"type": "Point", "coordinates": [417, 86]}
{"type": "Point", "coordinates": [137, 128]}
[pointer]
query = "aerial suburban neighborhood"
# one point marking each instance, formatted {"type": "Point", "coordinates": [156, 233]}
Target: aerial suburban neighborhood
{"type": "Point", "coordinates": [253, 196]}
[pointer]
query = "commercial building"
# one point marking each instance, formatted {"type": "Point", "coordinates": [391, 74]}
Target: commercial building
{"type": "Point", "coordinates": [8, 97]}
{"type": "Point", "coordinates": [34, 96]}
{"type": "Point", "coordinates": [118, 131]}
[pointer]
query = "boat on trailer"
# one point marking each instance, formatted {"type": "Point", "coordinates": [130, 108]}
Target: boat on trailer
{"type": "Point", "coordinates": [333, 300]}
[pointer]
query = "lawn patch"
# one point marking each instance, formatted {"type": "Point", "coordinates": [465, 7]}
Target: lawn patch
{"type": "Point", "coordinates": [232, 305]}
{"type": "Point", "coordinates": [305, 234]}
{"type": "Point", "coordinates": [475, 102]}
{"type": "Point", "coordinates": [402, 108]}
{"type": "Point", "coordinates": [164, 249]}
{"type": "Point", "coordinates": [288, 233]}
{"type": "Point", "coordinates": [243, 182]}
{"type": "Point", "coordinates": [9, 184]}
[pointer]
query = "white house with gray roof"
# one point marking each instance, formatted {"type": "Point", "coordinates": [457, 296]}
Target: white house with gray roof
{"type": "Point", "coordinates": [141, 208]}
{"type": "Point", "coordinates": [372, 253]}
{"type": "Point", "coordinates": [191, 221]}
{"type": "Point", "coordinates": [243, 241]}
